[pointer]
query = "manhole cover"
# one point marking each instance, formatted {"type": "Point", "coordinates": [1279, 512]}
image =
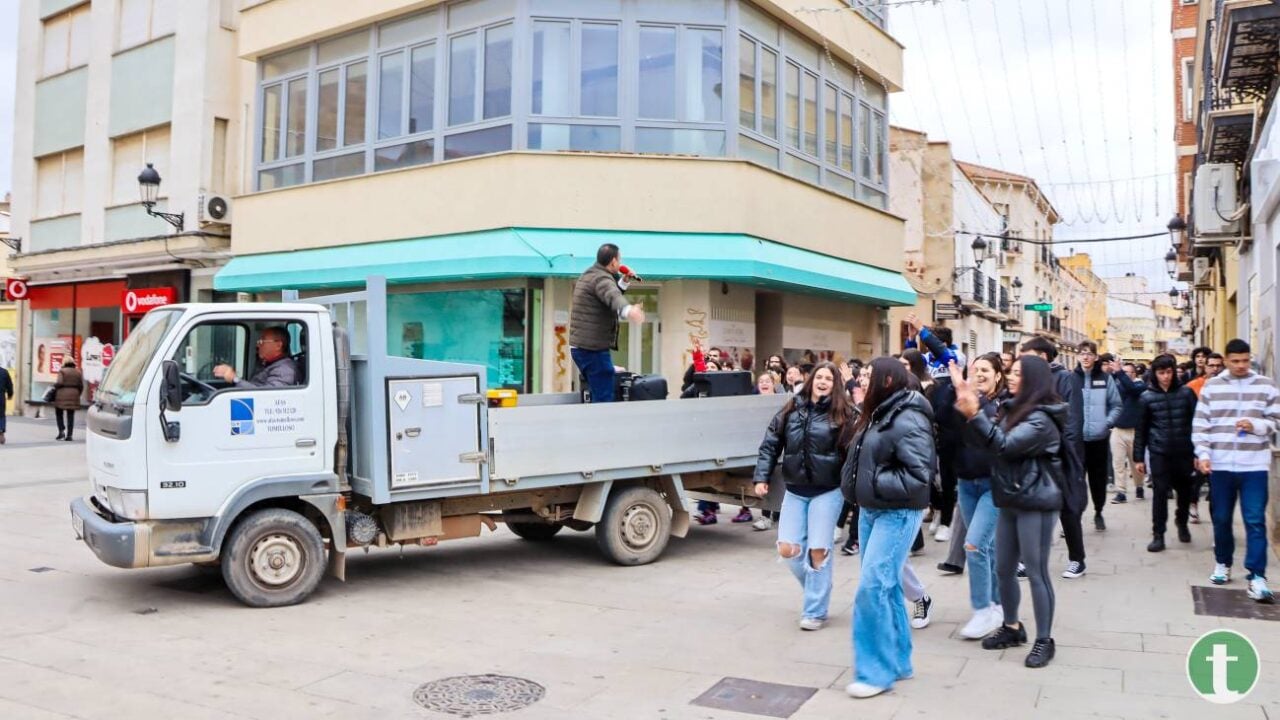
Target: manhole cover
{"type": "Point", "coordinates": [1225, 602]}
{"type": "Point", "coordinates": [468, 695]}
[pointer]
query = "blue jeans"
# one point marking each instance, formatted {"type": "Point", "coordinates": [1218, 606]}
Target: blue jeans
{"type": "Point", "coordinates": [881, 633]}
{"type": "Point", "coordinates": [1251, 487]}
{"type": "Point", "coordinates": [597, 365]}
{"type": "Point", "coordinates": [811, 524]}
{"type": "Point", "coordinates": [980, 515]}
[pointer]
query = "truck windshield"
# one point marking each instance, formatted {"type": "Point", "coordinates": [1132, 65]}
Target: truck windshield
{"type": "Point", "coordinates": [121, 383]}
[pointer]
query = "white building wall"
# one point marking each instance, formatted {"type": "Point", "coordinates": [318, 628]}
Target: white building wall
{"type": "Point", "coordinates": [1258, 263]}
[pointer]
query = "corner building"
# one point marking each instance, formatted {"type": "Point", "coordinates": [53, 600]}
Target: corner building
{"type": "Point", "coordinates": [477, 153]}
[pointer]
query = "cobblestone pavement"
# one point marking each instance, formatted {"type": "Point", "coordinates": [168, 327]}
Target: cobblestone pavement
{"type": "Point", "coordinates": [85, 640]}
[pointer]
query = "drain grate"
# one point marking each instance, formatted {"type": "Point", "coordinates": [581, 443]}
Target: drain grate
{"type": "Point", "coordinates": [755, 698]}
{"type": "Point", "coordinates": [468, 695]}
{"type": "Point", "coordinates": [1222, 602]}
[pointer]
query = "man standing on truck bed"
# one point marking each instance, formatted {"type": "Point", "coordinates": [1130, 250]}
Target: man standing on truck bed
{"type": "Point", "coordinates": [276, 368]}
{"type": "Point", "coordinates": [598, 306]}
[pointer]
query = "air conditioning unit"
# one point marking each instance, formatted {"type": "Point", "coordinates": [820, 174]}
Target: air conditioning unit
{"type": "Point", "coordinates": [1215, 201]}
{"type": "Point", "coordinates": [1201, 274]}
{"type": "Point", "coordinates": [215, 210]}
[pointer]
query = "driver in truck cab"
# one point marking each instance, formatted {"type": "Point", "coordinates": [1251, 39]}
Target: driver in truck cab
{"type": "Point", "coordinates": [276, 368]}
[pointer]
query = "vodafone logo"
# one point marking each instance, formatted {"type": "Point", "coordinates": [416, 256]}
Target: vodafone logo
{"type": "Point", "coordinates": [15, 289]}
{"type": "Point", "coordinates": [139, 300]}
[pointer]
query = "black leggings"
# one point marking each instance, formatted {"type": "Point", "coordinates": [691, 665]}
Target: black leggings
{"type": "Point", "coordinates": [1097, 463]}
{"type": "Point", "coordinates": [1027, 536]}
{"type": "Point", "coordinates": [66, 420]}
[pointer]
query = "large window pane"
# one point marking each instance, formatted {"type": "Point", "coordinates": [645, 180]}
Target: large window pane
{"type": "Point", "coordinates": [286, 63]}
{"type": "Point", "coordinates": [841, 184]}
{"type": "Point", "coordinates": [864, 146]}
{"type": "Point", "coordinates": [296, 140]}
{"type": "Point", "coordinates": [280, 177]}
{"type": "Point", "coordinates": [755, 151]}
{"type": "Point", "coordinates": [475, 12]}
{"type": "Point", "coordinates": [341, 48]}
{"type": "Point", "coordinates": [666, 141]}
{"type": "Point", "coordinates": [552, 73]}
{"type": "Point", "coordinates": [462, 79]}
{"type": "Point", "coordinates": [747, 83]}
{"type": "Point", "coordinates": [758, 23]}
{"type": "Point", "coordinates": [477, 142]}
{"type": "Point", "coordinates": [409, 30]}
{"type": "Point", "coordinates": [133, 23]}
{"type": "Point", "coordinates": [78, 44]}
{"type": "Point", "coordinates": [769, 93]}
{"type": "Point", "coordinates": [327, 114]}
{"type": "Point", "coordinates": [811, 114]}
{"type": "Point", "coordinates": [338, 167]}
{"type": "Point", "coordinates": [583, 138]}
{"type": "Point", "coordinates": [271, 123]}
{"type": "Point", "coordinates": [353, 107]}
{"type": "Point", "coordinates": [704, 67]}
{"type": "Point", "coordinates": [599, 77]}
{"type": "Point", "coordinates": [792, 79]}
{"type": "Point", "coordinates": [422, 89]}
{"type": "Point", "coordinates": [802, 169]}
{"type": "Point", "coordinates": [657, 73]}
{"type": "Point", "coordinates": [846, 132]}
{"type": "Point", "coordinates": [497, 71]}
{"type": "Point", "coordinates": [421, 152]}
{"type": "Point", "coordinates": [878, 150]}
{"type": "Point", "coordinates": [73, 175]}
{"type": "Point", "coordinates": [390, 96]}
{"type": "Point", "coordinates": [57, 33]}
{"type": "Point", "coordinates": [832, 131]}
{"type": "Point", "coordinates": [482, 327]}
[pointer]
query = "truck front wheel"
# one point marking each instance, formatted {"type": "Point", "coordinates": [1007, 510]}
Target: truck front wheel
{"type": "Point", "coordinates": [272, 558]}
{"type": "Point", "coordinates": [635, 526]}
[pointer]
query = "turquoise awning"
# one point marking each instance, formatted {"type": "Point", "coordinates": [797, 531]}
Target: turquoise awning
{"type": "Point", "coordinates": [524, 252]}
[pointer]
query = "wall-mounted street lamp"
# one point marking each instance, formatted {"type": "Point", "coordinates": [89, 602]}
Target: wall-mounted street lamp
{"type": "Point", "coordinates": [149, 187]}
{"type": "Point", "coordinates": [981, 250]}
{"type": "Point", "coordinates": [1171, 264]}
{"type": "Point", "coordinates": [1017, 291]}
{"type": "Point", "coordinates": [1176, 225]}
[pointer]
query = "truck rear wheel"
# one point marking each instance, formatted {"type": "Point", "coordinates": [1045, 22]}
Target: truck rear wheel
{"type": "Point", "coordinates": [635, 526]}
{"type": "Point", "coordinates": [534, 531]}
{"type": "Point", "coordinates": [272, 558]}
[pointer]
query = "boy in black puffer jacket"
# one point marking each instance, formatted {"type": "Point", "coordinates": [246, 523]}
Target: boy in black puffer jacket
{"type": "Point", "coordinates": [1164, 429]}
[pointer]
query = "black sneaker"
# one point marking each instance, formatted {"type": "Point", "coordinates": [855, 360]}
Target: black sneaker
{"type": "Point", "coordinates": [1184, 534]}
{"type": "Point", "coordinates": [1156, 544]}
{"type": "Point", "coordinates": [1138, 492]}
{"type": "Point", "coordinates": [1119, 499]}
{"type": "Point", "coordinates": [949, 569]}
{"type": "Point", "coordinates": [1098, 523]}
{"type": "Point", "coordinates": [1005, 637]}
{"type": "Point", "coordinates": [1041, 653]}
{"type": "Point", "coordinates": [1074, 570]}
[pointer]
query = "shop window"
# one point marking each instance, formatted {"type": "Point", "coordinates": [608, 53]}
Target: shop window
{"type": "Point", "coordinates": [65, 41]}
{"type": "Point", "coordinates": [141, 21]}
{"type": "Point", "coordinates": [72, 322]}
{"type": "Point", "coordinates": [480, 327]}
{"type": "Point", "coordinates": [131, 153]}
{"type": "Point", "coordinates": [59, 183]}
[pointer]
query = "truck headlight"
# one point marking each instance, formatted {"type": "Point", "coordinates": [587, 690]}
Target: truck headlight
{"type": "Point", "coordinates": [128, 504]}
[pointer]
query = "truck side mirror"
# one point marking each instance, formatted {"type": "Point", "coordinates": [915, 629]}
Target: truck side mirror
{"type": "Point", "coordinates": [170, 386]}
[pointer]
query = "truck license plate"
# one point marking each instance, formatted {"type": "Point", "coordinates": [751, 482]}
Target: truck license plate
{"type": "Point", "coordinates": [77, 524]}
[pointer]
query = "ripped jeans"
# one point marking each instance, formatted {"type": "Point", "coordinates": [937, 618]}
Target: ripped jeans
{"type": "Point", "coordinates": [810, 523]}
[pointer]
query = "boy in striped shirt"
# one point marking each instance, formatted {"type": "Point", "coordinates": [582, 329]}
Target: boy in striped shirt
{"type": "Point", "coordinates": [1238, 412]}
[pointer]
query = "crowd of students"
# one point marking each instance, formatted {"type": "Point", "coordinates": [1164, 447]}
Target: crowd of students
{"type": "Point", "coordinates": [995, 456]}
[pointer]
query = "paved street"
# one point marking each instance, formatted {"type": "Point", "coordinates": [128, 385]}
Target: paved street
{"type": "Point", "coordinates": [88, 641]}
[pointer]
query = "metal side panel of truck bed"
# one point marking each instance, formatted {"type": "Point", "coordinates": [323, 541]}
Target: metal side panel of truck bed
{"type": "Point", "coordinates": [560, 444]}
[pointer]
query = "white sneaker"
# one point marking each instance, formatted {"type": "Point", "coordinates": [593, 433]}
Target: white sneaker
{"type": "Point", "coordinates": [937, 520]}
{"type": "Point", "coordinates": [763, 523]}
{"type": "Point", "coordinates": [862, 691]}
{"type": "Point", "coordinates": [1259, 591]}
{"type": "Point", "coordinates": [922, 614]}
{"type": "Point", "coordinates": [983, 623]}
{"type": "Point", "coordinates": [943, 534]}
{"type": "Point", "coordinates": [836, 539]}
{"type": "Point", "coordinates": [812, 623]}
{"type": "Point", "coordinates": [1221, 575]}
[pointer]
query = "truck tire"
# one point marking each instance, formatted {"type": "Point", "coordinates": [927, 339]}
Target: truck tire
{"type": "Point", "coordinates": [635, 526]}
{"type": "Point", "coordinates": [535, 532]}
{"type": "Point", "coordinates": [272, 558]}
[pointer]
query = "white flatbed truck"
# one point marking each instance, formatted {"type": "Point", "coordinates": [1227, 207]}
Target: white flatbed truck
{"type": "Point", "coordinates": [276, 484]}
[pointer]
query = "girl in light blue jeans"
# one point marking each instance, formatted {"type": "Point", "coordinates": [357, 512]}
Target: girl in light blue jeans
{"type": "Point", "coordinates": [807, 436]}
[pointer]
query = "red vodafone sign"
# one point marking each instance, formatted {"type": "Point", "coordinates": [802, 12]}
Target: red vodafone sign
{"type": "Point", "coordinates": [15, 289]}
{"type": "Point", "coordinates": [138, 301]}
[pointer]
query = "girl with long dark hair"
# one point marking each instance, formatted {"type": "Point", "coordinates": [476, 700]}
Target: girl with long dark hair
{"type": "Point", "coordinates": [890, 465]}
{"type": "Point", "coordinates": [808, 435]}
{"type": "Point", "coordinates": [1026, 484]}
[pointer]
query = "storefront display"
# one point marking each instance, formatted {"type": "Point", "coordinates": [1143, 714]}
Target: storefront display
{"type": "Point", "coordinates": [65, 321]}
{"type": "Point", "coordinates": [484, 327]}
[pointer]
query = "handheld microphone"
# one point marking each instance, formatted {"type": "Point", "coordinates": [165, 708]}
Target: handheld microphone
{"type": "Point", "coordinates": [628, 273]}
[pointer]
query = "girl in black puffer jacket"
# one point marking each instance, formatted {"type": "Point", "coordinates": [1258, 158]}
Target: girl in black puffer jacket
{"type": "Point", "coordinates": [808, 435]}
{"type": "Point", "coordinates": [1164, 430]}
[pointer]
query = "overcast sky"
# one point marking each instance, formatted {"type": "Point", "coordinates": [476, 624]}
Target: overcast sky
{"type": "Point", "coordinates": [1075, 93]}
{"type": "Point", "coordinates": [8, 71]}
